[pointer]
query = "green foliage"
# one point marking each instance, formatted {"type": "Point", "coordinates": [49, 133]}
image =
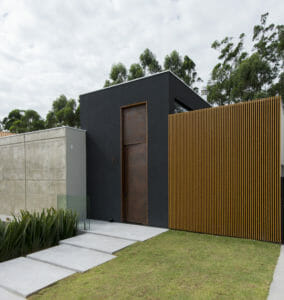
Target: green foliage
{"type": "Point", "coordinates": [149, 62]}
{"type": "Point", "coordinates": [249, 79]}
{"type": "Point", "coordinates": [64, 113]}
{"type": "Point", "coordinates": [184, 68]}
{"type": "Point", "coordinates": [13, 116]}
{"type": "Point", "coordinates": [117, 75]}
{"type": "Point", "coordinates": [35, 231]}
{"type": "Point", "coordinates": [135, 71]}
{"type": "Point", "coordinates": [19, 121]}
{"type": "Point", "coordinates": [174, 63]}
{"type": "Point", "coordinates": [278, 87]}
{"type": "Point", "coordinates": [240, 76]}
{"type": "Point", "coordinates": [177, 265]}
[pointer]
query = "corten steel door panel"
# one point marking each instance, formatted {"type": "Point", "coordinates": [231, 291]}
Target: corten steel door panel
{"type": "Point", "coordinates": [134, 164]}
{"type": "Point", "coordinates": [135, 191]}
{"type": "Point", "coordinates": [134, 125]}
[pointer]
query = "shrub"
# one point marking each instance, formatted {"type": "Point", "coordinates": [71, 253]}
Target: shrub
{"type": "Point", "coordinates": [31, 232]}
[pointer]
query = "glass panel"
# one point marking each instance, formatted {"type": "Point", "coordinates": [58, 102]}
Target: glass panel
{"type": "Point", "coordinates": [179, 108]}
{"type": "Point", "coordinates": [78, 205]}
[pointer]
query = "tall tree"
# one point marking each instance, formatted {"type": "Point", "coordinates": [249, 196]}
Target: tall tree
{"type": "Point", "coordinates": [117, 75]}
{"type": "Point", "coordinates": [182, 67]}
{"type": "Point", "coordinates": [12, 117]}
{"type": "Point", "coordinates": [174, 63]}
{"type": "Point", "coordinates": [135, 71]}
{"type": "Point", "coordinates": [63, 113]}
{"type": "Point", "coordinates": [77, 116]}
{"type": "Point", "coordinates": [19, 121]}
{"type": "Point", "coordinates": [149, 62]}
{"type": "Point", "coordinates": [240, 76]}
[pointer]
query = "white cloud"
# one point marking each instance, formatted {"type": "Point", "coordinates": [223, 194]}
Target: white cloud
{"type": "Point", "coordinates": [52, 47]}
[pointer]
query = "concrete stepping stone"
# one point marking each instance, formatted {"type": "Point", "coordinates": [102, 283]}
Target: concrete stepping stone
{"type": "Point", "coordinates": [26, 276]}
{"type": "Point", "coordinates": [71, 257]}
{"type": "Point", "coordinates": [276, 291]}
{"type": "Point", "coordinates": [123, 230]}
{"type": "Point", "coordinates": [98, 242]}
{"type": "Point", "coordinates": [6, 295]}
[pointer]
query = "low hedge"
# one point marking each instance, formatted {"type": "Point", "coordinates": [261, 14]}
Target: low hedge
{"type": "Point", "coordinates": [31, 232]}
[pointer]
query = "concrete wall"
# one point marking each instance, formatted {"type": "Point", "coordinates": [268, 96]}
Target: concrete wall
{"type": "Point", "coordinates": [76, 171]}
{"type": "Point", "coordinates": [36, 167]}
{"type": "Point", "coordinates": [12, 174]}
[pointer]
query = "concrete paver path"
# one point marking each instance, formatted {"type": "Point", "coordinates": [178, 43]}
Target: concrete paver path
{"type": "Point", "coordinates": [98, 242]}
{"type": "Point", "coordinates": [24, 276]}
{"type": "Point", "coordinates": [124, 231]}
{"type": "Point", "coordinates": [6, 295]}
{"type": "Point", "coordinates": [276, 291]}
{"type": "Point", "coordinates": [74, 258]}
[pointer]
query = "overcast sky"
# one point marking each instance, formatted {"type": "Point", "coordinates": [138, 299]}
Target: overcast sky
{"type": "Point", "coordinates": [54, 47]}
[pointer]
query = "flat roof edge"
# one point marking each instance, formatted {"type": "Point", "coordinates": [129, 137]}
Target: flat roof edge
{"type": "Point", "coordinates": [126, 82]}
{"type": "Point", "coordinates": [146, 77]}
{"type": "Point", "coordinates": [173, 74]}
{"type": "Point", "coordinates": [43, 130]}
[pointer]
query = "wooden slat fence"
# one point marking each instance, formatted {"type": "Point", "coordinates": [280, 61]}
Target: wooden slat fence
{"type": "Point", "coordinates": [224, 170]}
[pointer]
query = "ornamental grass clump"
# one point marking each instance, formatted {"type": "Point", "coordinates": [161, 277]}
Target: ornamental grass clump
{"type": "Point", "coordinates": [31, 232]}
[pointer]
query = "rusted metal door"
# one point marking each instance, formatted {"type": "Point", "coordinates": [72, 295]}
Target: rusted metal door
{"type": "Point", "coordinates": [134, 164]}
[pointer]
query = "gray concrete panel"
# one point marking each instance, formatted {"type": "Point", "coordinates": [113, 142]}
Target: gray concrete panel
{"type": "Point", "coordinates": [6, 295]}
{"type": "Point", "coordinates": [98, 242]}
{"type": "Point", "coordinates": [76, 171]}
{"type": "Point", "coordinates": [276, 291]}
{"type": "Point", "coordinates": [33, 169]}
{"type": "Point", "coordinates": [12, 139]}
{"type": "Point", "coordinates": [125, 231]}
{"type": "Point", "coordinates": [46, 160]}
{"type": "Point", "coordinates": [71, 257]}
{"type": "Point", "coordinates": [26, 276]}
{"type": "Point", "coordinates": [46, 134]}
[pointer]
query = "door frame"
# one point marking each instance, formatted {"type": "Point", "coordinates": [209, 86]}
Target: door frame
{"type": "Point", "coordinates": [122, 175]}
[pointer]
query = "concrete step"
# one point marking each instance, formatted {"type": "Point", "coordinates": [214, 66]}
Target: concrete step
{"type": "Point", "coordinates": [276, 291]}
{"type": "Point", "coordinates": [25, 276]}
{"type": "Point", "coordinates": [98, 242]}
{"type": "Point", "coordinates": [7, 295]}
{"type": "Point", "coordinates": [70, 257]}
{"type": "Point", "coordinates": [124, 230]}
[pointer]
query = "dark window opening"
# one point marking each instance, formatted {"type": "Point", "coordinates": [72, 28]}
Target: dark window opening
{"type": "Point", "coordinates": [179, 107]}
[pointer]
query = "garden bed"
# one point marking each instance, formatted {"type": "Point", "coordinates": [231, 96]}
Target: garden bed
{"type": "Point", "coordinates": [29, 232]}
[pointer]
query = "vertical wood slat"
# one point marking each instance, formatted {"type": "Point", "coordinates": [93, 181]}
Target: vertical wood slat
{"type": "Point", "coordinates": [224, 170]}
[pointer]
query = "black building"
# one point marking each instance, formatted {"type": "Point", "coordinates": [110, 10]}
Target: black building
{"type": "Point", "coordinates": [127, 147]}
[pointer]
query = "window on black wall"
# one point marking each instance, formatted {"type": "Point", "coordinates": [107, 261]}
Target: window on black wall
{"type": "Point", "coordinates": [179, 107]}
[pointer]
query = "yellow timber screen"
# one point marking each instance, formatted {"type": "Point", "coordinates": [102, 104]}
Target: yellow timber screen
{"type": "Point", "coordinates": [224, 170]}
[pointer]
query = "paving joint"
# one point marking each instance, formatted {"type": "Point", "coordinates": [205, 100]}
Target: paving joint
{"type": "Point", "coordinates": [52, 263]}
{"type": "Point", "coordinates": [77, 254]}
{"type": "Point", "coordinates": [112, 236]}
{"type": "Point", "coordinates": [82, 247]}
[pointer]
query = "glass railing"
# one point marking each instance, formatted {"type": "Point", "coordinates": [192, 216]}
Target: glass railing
{"type": "Point", "coordinates": [77, 204]}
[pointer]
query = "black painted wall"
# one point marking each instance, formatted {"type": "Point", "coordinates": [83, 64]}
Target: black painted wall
{"type": "Point", "coordinates": [100, 116]}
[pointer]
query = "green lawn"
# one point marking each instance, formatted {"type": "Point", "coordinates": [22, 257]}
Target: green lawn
{"type": "Point", "coordinates": [177, 265]}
